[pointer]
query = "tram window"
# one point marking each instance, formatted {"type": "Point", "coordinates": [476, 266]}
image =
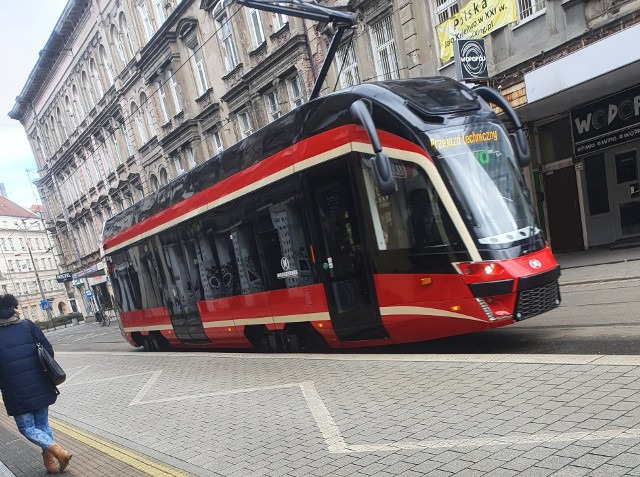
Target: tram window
{"type": "Point", "coordinates": [281, 236]}
{"type": "Point", "coordinates": [412, 218]}
{"type": "Point", "coordinates": [142, 261]}
{"type": "Point", "coordinates": [220, 276]}
{"type": "Point", "coordinates": [125, 283]}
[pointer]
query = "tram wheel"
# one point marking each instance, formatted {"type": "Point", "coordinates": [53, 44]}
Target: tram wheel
{"type": "Point", "coordinates": [146, 344]}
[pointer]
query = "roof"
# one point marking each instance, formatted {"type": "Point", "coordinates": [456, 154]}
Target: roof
{"type": "Point", "coordinates": [9, 208]}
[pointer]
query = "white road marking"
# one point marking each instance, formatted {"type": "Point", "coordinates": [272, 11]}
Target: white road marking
{"type": "Point", "coordinates": [325, 422]}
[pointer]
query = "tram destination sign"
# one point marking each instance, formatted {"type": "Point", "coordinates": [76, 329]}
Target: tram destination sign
{"type": "Point", "coordinates": [607, 122]}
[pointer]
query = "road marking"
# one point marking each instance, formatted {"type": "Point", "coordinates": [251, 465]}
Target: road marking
{"type": "Point", "coordinates": [121, 454]}
{"type": "Point", "coordinates": [325, 422]}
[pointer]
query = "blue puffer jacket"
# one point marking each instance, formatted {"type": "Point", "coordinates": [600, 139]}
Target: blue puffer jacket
{"type": "Point", "coordinates": [23, 385]}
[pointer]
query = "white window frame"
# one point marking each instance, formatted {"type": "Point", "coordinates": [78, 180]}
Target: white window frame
{"type": "Point", "coordinates": [218, 144]}
{"type": "Point", "coordinates": [348, 65]}
{"type": "Point", "coordinates": [199, 70]}
{"type": "Point", "coordinates": [296, 98]}
{"type": "Point", "coordinates": [225, 35]}
{"type": "Point", "coordinates": [127, 142]}
{"type": "Point", "coordinates": [159, 5]}
{"type": "Point", "coordinates": [164, 104]}
{"type": "Point", "coordinates": [175, 93]}
{"type": "Point", "coordinates": [177, 162]}
{"type": "Point", "coordinates": [528, 9]}
{"type": "Point", "coordinates": [255, 27]}
{"type": "Point", "coordinates": [146, 20]}
{"type": "Point", "coordinates": [273, 105]}
{"type": "Point", "coordinates": [280, 20]}
{"type": "Point", "coordinates": [244, 123]}
{"type": "Point", "coordinates": [384, 50]}
{"type": "Point", "coordinates": [445, 9]}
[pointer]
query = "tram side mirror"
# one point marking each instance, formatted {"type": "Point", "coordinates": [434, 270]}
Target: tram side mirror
{"type": "Point", "coordinates": [518, 138]}
{"type": "Point", "coordinates": [381, 164]}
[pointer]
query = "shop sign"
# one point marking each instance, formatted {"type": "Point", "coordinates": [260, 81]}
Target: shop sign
{"type": "Point", "coordinates": [64, 277]}
{"type": "Point", "coordinates": [605, 123]}
{"type": "Point", "coordinates": [475, 20]}
{"type": "Point", "coordinates": [471, 60]}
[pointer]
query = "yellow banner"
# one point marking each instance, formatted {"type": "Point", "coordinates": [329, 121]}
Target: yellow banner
{"type": "Point", "coordinates": [475, 20]}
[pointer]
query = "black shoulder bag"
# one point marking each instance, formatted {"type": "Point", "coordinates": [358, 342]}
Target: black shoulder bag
{"type": "Point", "coordinates": [50, 367]}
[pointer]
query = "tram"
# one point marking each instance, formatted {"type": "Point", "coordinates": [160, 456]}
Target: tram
{"type": "Point", "coordinates": [386, 213]}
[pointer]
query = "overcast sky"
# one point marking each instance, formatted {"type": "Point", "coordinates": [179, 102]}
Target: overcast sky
{"type": "Point", "coordinates": [25, 27]}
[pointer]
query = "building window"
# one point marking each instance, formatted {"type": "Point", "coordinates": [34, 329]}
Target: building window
{"type": "Point", "coordinates": [114, 144]}
{"type": "Point", "coordinates": [218, 145]}
{"type": "Point", "coordinates": [117, 39]}
{"type": "Point", "coordinates": [245, 124]}
{"type": "Point", "coordinates": [164, 104]}
{"type": "Point", "coordinates": [280, 20]}
{"type": "Point", "coordinates": [445, 9]}
{"type": "Point", "coordinates": [348, 66]}
{"type": "Point", "coordinates": [294, 89]}
{"type": "Point", "coordinates": [255, 27]}
{"type": "Point", "coordinates": [77, 103]}
{"type": "Point", "coordinates": [124, 30]}
{"type": "Point", "coordinates": [159, 5]}
{"type": "Point", "coordinates": [146, 20]}
{"type": "Point", "coordinates": [106, 66]}
{"type": "Point", "coordinates": [384, 50]}
{"type": "Point", "coordinates": [225, 36]}
{"type": "Point", "coordinates": [95, 79]}
{"type": "Point", "coordinates": [175, 91]}
{"type": "Point", "coordinates": [191, 159]}
{"type": "Point", "coordinates": [527, 8]}
{"type": "Point", "coordinates": [273, 105]}
{"type": "Point", "coordinates": [137, 119]}
{"type": "Point", "coordinates": [179, 164]}
{"type": "Point", "coordinates": [146, 112]}
{"type": "Point", "coordinates": [127, 142]}
{"type": "Point", "coordinates": [197, 62]}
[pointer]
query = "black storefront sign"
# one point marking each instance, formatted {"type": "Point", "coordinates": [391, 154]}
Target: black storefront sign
{"type": "Point", "coordinates": [608, 122]}
{"type": "Point", "coordinates": [64, 277]}
{"type": "Point", "coordinates": [471, 60]}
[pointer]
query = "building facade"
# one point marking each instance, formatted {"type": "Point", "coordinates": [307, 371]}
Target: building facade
{"type": "Point", "coordinates": [28, 267]}
{"type": "Point", "coordinates": [126, 96]}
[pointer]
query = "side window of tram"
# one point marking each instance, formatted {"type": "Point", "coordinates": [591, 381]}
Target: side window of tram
{"type": "Point", "coordinates": [282, 239]}
{"type": "Point", "coordinates": [412, 218]}
{"type": "Point", "coordinates": [142, 263]}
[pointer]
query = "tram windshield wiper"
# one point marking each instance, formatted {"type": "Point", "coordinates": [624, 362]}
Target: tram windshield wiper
{"type": "Point", "coordinates": [311, 10]}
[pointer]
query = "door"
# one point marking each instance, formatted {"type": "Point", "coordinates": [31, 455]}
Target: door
{"type": "Point", "coordinates": [563, 209]}
{"type": "Point", "coordinates": [185, 287]}
{"type": "Point", "coordinates": [627, 191]}
{"type": "Point", "coordinates": [340, 253]}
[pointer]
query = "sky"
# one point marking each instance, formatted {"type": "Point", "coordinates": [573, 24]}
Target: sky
{"type": "Point", "coordinates": [25, 27]}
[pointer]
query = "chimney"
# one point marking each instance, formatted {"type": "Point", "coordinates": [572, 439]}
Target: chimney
{"type": "Point", "coordinates": [3, 191]}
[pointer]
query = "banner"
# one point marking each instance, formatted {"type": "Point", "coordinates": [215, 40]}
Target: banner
{"type": "Point", "coordinates": [476, 20]}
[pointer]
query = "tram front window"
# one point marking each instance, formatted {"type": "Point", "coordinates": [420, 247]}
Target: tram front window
{"type": "Point", "coordinates": [479, 166]}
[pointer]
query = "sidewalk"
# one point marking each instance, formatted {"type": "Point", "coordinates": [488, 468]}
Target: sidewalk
{"type": "Point", "coordinates": [599, 265]}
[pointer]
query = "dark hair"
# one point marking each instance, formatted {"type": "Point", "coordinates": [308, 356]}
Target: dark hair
{"type": "Point", "coordinates": [8, 304]}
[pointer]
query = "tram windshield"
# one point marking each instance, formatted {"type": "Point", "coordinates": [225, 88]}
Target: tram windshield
{"type": "Point", "coordinates": [479, 163]}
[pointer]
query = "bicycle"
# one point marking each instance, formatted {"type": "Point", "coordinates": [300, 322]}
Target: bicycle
{"type": "Point", "coordinates": [103, 318]}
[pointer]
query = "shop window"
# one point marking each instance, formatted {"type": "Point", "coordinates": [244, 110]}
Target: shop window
{"type": "Point", "coordinates": [597, 190]}
{"type": "Point", "coordinates": [626, 167]}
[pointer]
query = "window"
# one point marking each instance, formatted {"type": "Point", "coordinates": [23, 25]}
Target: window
{"type": "Point", "coordinates": [273, 106]}
{"type": "Point", "coordinates": [225, 35]}
{"type": "Point", "coordinates": [245, 124]}
{"type": "Point", "coordinates": [95, 79]}
{"type": "Point", "coordinates": [348, 66]}
{"type": "Point", "coordinates": [69, 113]}
{"type": "Point", "coordinates": [279, 20]}
{"type": "Point", "coordinates": [153, 182]}
{"type": "Point", "coordinates": [146, 112]}
{"type": "Point", "coordinates": [159, 5]}
{"type": "Point", "coordinates": [255, 27]}
{"type": "Point", "coordinates": [117, 39]}
{"type": "Point", "coordinates": [218, 145]}
{"type": "Point", "coordinates": [77, 103]}
{"type": "Point", "coordinates": [126, 33]}
{"type": "Point", "coordinates": [445, 9]}
{"type": "Point", "coordinates": [179, 164]}
{"type": "Point", "coordinates": [146, 20]}
{"type": "Point", "coordinates": [164, 105]}
{"type": "Point", "coordinates": [116, 148]}
{"type": "Point", "coordinates": [125, 136]}
{"type": "Point", "coordinates": [527, 8]}
{"type": "Point", "coordinates": [175, 91]}
{"type": "Point", "coordinates": [296, 98]}
{"type": "Point", "coordinates": [384, 50]}
{"type": "Point", "coordinates": [106, 66]}
{"type": "Point", "coordinates": [137, 119]}
{"type": "Point", "coordinates": [197, 62]}
{"type": "Point", "coordinates": [191, 160]}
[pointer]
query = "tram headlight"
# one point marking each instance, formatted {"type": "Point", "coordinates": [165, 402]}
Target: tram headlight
{"type": "Point", "coordinates": [480, 268]}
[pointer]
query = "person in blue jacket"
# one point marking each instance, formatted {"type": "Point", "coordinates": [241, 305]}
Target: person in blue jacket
{"type": "Point", "coordinates": [26, 392]}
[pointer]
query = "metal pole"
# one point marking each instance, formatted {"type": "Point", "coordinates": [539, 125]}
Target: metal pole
{"type": "Point", "coordinates": [35, 269]}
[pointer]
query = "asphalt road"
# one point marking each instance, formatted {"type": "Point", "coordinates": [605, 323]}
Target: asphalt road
{"type": "Point", "coordinates": [593, 319]}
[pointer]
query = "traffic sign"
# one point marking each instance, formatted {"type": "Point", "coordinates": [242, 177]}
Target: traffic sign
{"type": "Point", "coordinates": [88, 294]}
{"type": "Point", "coordinates": [45, 305]}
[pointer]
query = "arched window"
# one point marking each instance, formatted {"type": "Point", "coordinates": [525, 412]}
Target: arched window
{"type": "Point", "coordinates": [95, 79]}
{"type": "Point", "coordinates": [117, 40]}
{"type": "Point", "coordinates": [153, 182]}
{"type": "Point", "coordinates": [146, 111]}
{"type": "Point", "coordinates": [55, 136]}
{"type": "Point", "coordinates": [70, 113]}
{"type": "Point", "coordinates": [78, 109]}
{"type": "Point", "coordinates": [61, 123]}
{"type": "Point", "coordinates": [86, 85]}
{"type": "Point", "coordinates": [164, 179]}
{"type": "Point", "coordinates": [126, 33]}
{"type": "Point", "coordinates": [137, 119]}
{"type": "Point", "coordinates": [106, 66]}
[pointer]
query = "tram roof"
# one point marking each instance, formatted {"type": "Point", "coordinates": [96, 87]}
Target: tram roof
{"type": "Point", "coordinates": [414, 100]}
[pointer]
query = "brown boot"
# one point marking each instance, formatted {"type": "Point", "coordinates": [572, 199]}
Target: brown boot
{"type": "Point", "coordinates": [62, 455]}
{"type": "Point", "coordinates": [50, 462]}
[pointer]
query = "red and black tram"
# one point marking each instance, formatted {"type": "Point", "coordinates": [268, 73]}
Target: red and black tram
{"type": "Point", "coordinates": [386, 213]}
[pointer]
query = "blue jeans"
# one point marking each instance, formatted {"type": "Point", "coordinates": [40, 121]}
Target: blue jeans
{"type": "Point", "coordinates": [35, 427]}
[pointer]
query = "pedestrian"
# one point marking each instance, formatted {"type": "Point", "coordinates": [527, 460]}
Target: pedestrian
{"type": "Point", "coordinates": [26, 392]}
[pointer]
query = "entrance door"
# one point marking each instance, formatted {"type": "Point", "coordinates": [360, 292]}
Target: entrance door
{"type": "Point", "coordinates": [340, 253]}
{"type": "Point", "coordinates": [563, 209]}
{"type": "Point", "coordinates": [627, 190]}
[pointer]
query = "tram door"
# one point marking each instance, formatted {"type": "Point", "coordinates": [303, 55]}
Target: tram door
{"type": "Point", "coordinates": [340, 253]}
